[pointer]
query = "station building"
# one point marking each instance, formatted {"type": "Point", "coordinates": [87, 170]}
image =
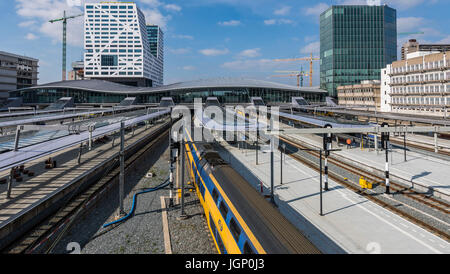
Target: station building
{"type": "Point", "coordinates": [418, 85]}
{"type": "Point", "coordinates": [227, 90]}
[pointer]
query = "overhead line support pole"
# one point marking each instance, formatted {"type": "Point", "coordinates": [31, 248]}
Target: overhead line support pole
{"type": "Point", "coordinates": [122, 167]}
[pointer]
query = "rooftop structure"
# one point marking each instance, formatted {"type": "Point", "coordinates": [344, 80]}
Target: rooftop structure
{"type": "Point", "coordinates": [77, 72]}
{"type": "Point", "coordinates": [413, 46]}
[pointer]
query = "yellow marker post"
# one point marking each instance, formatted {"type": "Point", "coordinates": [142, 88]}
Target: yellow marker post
{"type": "Point", "coordinates": [362, 183]}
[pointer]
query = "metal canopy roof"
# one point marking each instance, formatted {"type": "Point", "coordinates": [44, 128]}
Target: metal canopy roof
{"type": "Point", "coordinates": [110, 87]}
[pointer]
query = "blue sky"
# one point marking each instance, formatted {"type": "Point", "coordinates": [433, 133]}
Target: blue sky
{"type": "Point", "coordinates": [209, 38]}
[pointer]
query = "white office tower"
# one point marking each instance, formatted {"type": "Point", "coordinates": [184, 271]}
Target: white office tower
{"type": "Point", "coordinates": [117, 46]}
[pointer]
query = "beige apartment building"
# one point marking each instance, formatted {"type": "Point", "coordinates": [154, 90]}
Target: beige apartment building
{"type": "Point", "coordinates": [365, 95]}
{"type": "Point", "coordinates": [418, 85]}
{"type": "Point", "coordinates": [413, 46]}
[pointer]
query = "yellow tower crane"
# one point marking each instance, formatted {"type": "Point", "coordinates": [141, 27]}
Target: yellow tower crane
{"type": "Point", "coordinates": [310, 59]}
{"type": "Point", "coordinates": [298, 74]}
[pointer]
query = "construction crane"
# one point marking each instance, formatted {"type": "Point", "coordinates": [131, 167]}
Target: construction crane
{"type": "Point", "coordinates": [310, 59]}
{"type": "Point", "coordinates": [299, 74]}
{"type": "Point", "coordinates": [409, 33]}
{"type": "Point", "coordinates": [64, 20]}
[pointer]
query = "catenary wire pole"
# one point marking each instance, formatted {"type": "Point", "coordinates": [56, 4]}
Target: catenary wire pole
{"type": "Point", "coordinates": [122, 167]}
{"type": "Point", "coordinates": [272, 172]}
{"type": "Point", "coordinates": [326, 147]}
{"type": "Point", "coordinates": [171, 157]}
{"type": "Point", "coordinates": [404, 146]}
{"type": "Point", "coordinates": [320, 176]}
{"type": "Point", "coordinates": [385, 140]}
{"type": "Point", "coordinates": [182, 158]}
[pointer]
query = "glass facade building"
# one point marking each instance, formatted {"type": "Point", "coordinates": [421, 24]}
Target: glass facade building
{"type": "Point", "coordinates": [356, 42]}
{"type": "Point", "coordinates": [156, 40]}
{"type": "Point", "coordinates": [228, 91]}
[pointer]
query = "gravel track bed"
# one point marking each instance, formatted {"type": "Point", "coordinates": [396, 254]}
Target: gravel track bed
{"type": "Point", "coordinates": [140, 234]}
{"type": "Point", "coordinates": [190, 236]}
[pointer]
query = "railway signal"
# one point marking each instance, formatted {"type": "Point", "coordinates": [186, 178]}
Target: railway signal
{"type": "Point", "coordinates": [385, 146]}
{"type": "Point", "coordinates": [327, 141]}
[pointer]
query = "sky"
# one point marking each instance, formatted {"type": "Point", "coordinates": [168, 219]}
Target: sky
{"type": "Point", "coordinates": [210, 38]}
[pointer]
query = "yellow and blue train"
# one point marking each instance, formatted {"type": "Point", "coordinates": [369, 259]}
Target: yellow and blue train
{"type": "Point", "coordinates": [240, 220]}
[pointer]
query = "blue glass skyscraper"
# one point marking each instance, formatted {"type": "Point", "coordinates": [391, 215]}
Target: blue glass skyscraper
{"type": "Point", "coordinates": [356, 42]}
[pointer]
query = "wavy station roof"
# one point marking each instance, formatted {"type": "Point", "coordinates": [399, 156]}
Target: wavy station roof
{"type": "Point", "coordinates": [110, 87]}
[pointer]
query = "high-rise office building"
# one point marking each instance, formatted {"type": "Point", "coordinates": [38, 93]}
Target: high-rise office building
{"type": "Point", "coordinates": [356, 42]}
{"type": "Point", "coordinates": [17, 72]}
{"type": "Point", "coordinates": [156, 40]}
{"type": "Point", "coordinates": [116, 45]}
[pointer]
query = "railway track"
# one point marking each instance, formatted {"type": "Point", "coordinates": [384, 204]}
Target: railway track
{"type": "Point", "coordinates": [41, 237]}
{"type": "Point", "coordinates": [420, 217]}
{"type": "Point", "coordinates": [428, 148]}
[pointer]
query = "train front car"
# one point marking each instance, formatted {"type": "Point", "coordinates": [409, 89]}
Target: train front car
{"type": "Point", "coordinates": [240, 219]}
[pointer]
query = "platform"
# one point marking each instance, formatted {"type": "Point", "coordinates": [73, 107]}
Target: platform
{"type": "Point", "coordinates": [419, 168]}
{"type": "Point", "coordinates": [353, 223]}
{"type": "Point", "coordinates": [36, 194]}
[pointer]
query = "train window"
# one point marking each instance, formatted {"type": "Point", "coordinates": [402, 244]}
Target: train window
{"type": "Point", "coordinates": [248, 249]}
{"type": "Point", "coordinates": [212, 225]}
{"type": "Point", "coordinates": [235, 229]}
{"type": "Point", "coordinates": [220, 244]}
{"type": "Point", "coordinates": [223, 209]}
{"type": "Point", "coordinates": [215, 195]}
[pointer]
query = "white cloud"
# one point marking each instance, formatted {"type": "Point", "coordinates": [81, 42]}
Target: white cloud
{"type": "Point", "coordinates": [172, 7]}
{"type": "Point", "coordinates": [151, 3]}
{"type": "Point", "coordinates": [316, 10]}
{"type": "Point", "coordinates": [313, 47]}
{"type": "Point", "coordinates": [189, 68]}
{"type": "Point", "coordinates": [282, 11]}
{"type": "Point", "coordinates": [26, 24]}
{"type": "Point", "coordinates": [38, 12]}
{"type": "Point", "coordinates": [252, 64]}
{"type": "Point", "coordinates": [407, 24]}
{"type": "Point", "coordinates": [31, 36]}
{"type": "Point", "coordinates": [214, 52]}
{"type": "Point", "coordinates": [183, 36]}
{"type": "Point", "coordinates": [250, 53]}
{"type": "Point", "coordinates": [155, 17]}
{"type": "Point", "coordinates": [270, 22]}
{"type": "Point", "coordinates": [398, 4]}
{"type": "Point", "coordinates": [445, 40]}
{"type": "Point", "coordinates": [180, 51]}
{"type": "Point", "coordinates": [231, 23]}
